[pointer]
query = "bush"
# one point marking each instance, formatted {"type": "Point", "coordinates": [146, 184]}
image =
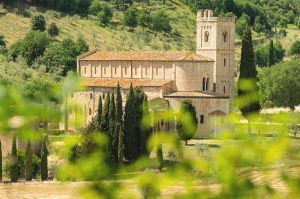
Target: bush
{"type": "Point", "coordinates": [161, 22]}
{"type": "Point", "coordinates": [21, 165]}
{"type": "Point", "coordinates": [38, 23]}
{"type": "Point", "coordinates": [53, 30]}
{"type": "Point", "coordinates": [130, 17]}
{"type": "Point", "coordinates": [95, 7]}
{"type": "Point", "coordinates": [295, 48]}
{"type": "Point", "coordinates": [105, 15]}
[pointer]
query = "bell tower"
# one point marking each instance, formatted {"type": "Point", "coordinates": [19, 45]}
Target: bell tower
{"type": "Point", "coordinates": [216, 40]}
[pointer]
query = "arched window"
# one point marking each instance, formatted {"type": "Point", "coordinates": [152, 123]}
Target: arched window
{"type": "Point", "coordinates": [206, 36]}
{"type": "Point", "coordinates": [224, 89]}
{"type": "Point", "coordinates": [225, 36]}
{"type": "Point", "coordinates": [203, 84]}
{"type": "Point", "coordinates": [103, 96]}
{"type": "Point", "coordinates": [207, 84]}
{"type": "Point", "coordinates": [201, 119]}
{"type": "Point", "coordinates": [224, 61]}
{"type": "Point", "coordinates": [91, 95]}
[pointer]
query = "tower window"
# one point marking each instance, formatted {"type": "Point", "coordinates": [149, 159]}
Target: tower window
{"type": "Point", "coordinates": [224, 88]}
{"type": "Point", "coordinates": [90, 111]}
{"type": "Point", "coordinates": [91, 95]}
{"type": "Point", "coordinates": [225, 36]}
{"type": "Point", "coordinates": [224, 61]}
{"type": "Point", "coordinates": [207, 84]}
{"type": "Point", "coordinates": [206, 36]}
{"type": "Point", "coordinates": [203, 84]}
{"type": "Point", "coordinates": [201, 119]}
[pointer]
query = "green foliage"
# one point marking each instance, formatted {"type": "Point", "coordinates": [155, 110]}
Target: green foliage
{"type": "Point", "coordinates": [130, 17]}
{"type": "Point", "coordinates": [105, 115]}
{"type": "Point", "coordinates": [295, 48]}
{"type": "Point", "coordinates": [28, 162]}
{"type": "Point", "coordinates": [44, 159]}
{"type": "Point", "coordinates": [144, 18]}
{"type": "Point", "coordinates": [0, 162]}
{"type": "Point", "coordinates": [271, 60]}
{"type": "Point", "coordinates": [113, 133]}
{"type": "Point", "coordinates": [38, 23]}
{"type": "Point", "coordinates": [105, 15]}
{"type": "Point", "coordinates": [14, 161]}
{"type": "Point", "coordinates": [99, 113]}
{"type": "Point", "coordinates": [242, 24]}
{"type": "Point", "coordinates": [119, 107]}
{"type": "Point", "coordinates": [279, 83]}
{"type": "Point", "coordinates": [187, 121]}
{"type": "Point", "coordinates": [32, 46]}
{"type": "Point", "coordinates": [120, 142]}
{"type": "Point", "coordinates": [95, 7]}
{"type": "Point", "coordinates": [53, 30]}
{"type": "Point", "coordinates": [160, 158]}
{"type": "Point", "coordinates": [248, 95]}
{"type": "Point", "coordinates": [161, 22]}
{"type": "Point", "coordinates": [2, 41]}
{"type": "Point", "coordinates": [61, 56]}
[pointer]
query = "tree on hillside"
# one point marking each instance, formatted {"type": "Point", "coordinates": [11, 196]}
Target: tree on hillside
{"type": "Point", "coordinates": [105, 15]}
{"type": "Point", "coordinates": [295, 48]}
{"type": "Point", "coordinates": [14, 161]}
{"type": "Point", "coordinates": [130, 17]}
{"type": "Point", "coordinates": [187, 121]}
{"type": "Point", "coordinates": [99, 113]}
{"type": "Point", "coordinates": [279, 52]}
{"type": "Point", "coordinates": [144, 18]}
{"type": "Point", "coordinates": [81, 46]}
{"type": "Point", "coordinates": [161, 22]}
{"type": "Point", "coordinates": [271, 57]}
{"type": "Point", "coordinates": [38, 23]}
{"type": "Point", "coordinates": [248, 94]}
{"type": "Point", "coordinates": [44, 160]}
{"type": "Point", "coordinates": [278, 85]}
{"type": "Point", "coordinates": [32, 46]}
{"type": "Point", "coordinates": [28, 162]}
{"type": "Point", "coordinates": [129, 134]}
{"type": "Point", "coordinates": [105, 115]}
{"type": "Point", "coordinates": [241, 24]}
{"type": "Point", "coordinates": [53, 30]}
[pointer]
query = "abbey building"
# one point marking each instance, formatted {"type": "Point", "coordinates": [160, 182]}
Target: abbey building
{"type": "Point", "coordinates": [205, 76]}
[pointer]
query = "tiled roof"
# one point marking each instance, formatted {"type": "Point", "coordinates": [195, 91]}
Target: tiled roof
{"type": "Point", "coordinates": [142, 56]}
{"type": "Point", "coordinates": [195, 94]}
{"type": "Point", "coordinates": [124, 83]}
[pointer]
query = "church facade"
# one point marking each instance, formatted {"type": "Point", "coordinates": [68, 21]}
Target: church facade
{"type": "Point", "coordinates": [205, 77]}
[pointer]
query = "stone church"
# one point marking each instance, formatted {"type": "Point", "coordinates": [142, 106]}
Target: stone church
{"type": "Point", "coordinates": [205, 77]}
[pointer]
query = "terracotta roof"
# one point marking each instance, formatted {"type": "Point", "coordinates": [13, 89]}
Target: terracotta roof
{"type": "Point", "coordinates": [143, 56]}
{"type": "Point", "coordinates": [195, 94]}
{"type": "Point", "coordinates": [124, 83]}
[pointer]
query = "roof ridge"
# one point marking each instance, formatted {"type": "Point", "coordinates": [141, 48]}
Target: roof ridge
{"type": "Point", "coordinates": [83, 55]}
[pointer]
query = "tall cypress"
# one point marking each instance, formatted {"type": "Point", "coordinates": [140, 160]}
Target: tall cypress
{"type": "Point", "coordinates": [120, 143]}
{"type": "Point", "coordinates": [0, 162]}
{"type": "Point", "coordinates": [112, 130]}
{"type": "Point", "coordinates": [28, 162]}
{"type": "Point", "coordinates": [145, 130]}
{"type": "Point", "coordinates": [271, 57]}
{"type": "Point", "coordinates": [119, 108]}
{"type": "Point", "coordinates": [99, 113]}
{"type": "Point", "coordinates": [249, 100]}
{"type": "Point", "coordinates": [129, 138]}
{"type": "Point", "coordinates": [44, 160]}
{"type": "Point", "coordinates": [14, 161]}
{"type": "Point", "coordinates": [105, 115]}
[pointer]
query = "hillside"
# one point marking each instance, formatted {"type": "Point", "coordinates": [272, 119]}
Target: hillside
{"type": "Point", "coordinates": [112, 37]}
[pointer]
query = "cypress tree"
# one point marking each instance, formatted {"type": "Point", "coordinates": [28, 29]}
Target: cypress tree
{"type": "Point", "coordinates": [146, 130]}
{"type": "Point", "coordinates": [105, 115]}
{"type": "Point", "coordinates": [99, 113]}
{"type": "Point", "coordinates": [0, 162]}
{"type": "Point", "coordinates": [119, 108]}
{"type": "Point", "coordinates": [130, 144]}
{"type": "Point", "coordinates": [248, 104]}
{"type": "Point", "coordinates": [271, 58]}
{"type": "Point", "coordinates": [44, 160]}
{"type": "Point", "coordinates": [138, 115]}
{"type": "Point", "coordinates": [113, 134]}
{"type": "Point", "coordinates": [28, 162]}
{"type": "Point", "coordinates": [14, 161]}
{"type": "Point", "coordinates": [120, 142]}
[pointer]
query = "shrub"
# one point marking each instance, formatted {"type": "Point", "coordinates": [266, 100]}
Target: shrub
{"type": "Point", "coordinates": [105, 15]}
{"type": "Point", "coordinates": [295, 48]}
{"type": "Point", "coordinates": [53, 30]}
{"type": "Point", "coordinates": [130, 17]}
{"type": "Point", "coordinates": [161, 22]}
{"type": "Point", "coordinates": [38, 23]}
